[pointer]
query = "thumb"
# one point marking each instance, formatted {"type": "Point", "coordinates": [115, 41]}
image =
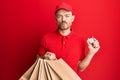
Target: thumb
{"type": "Point", "coordinates": [89, 44]}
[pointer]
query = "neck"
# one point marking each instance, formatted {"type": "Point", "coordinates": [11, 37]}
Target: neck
{"type": "Point", "coordinates": [65, 32]}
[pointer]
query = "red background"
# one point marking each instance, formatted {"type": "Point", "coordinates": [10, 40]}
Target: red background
{"type": "Point", "coordinates": [23, 22]}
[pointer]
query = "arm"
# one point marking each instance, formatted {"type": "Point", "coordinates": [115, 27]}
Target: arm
{"type": "Point", "coordinates": [92, 50]}
{"type": "Point", "coordinates": [43, 51]}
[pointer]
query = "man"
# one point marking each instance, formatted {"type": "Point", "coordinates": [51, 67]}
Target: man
{"type": "Point", "coordinates": [64, 43]}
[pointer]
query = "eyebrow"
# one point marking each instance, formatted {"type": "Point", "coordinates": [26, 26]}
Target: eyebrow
{"type": "Point", "coordinates": [64, 14]}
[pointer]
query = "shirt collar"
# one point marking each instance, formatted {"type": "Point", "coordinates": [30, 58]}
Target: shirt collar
{"type": "Point", "coordinates": [68, 36]}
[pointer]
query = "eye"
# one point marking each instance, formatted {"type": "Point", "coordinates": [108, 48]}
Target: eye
{"type": "Point", "coordinates": [58, 16]}
{"type": "Point", "coordinates": [67, 15]}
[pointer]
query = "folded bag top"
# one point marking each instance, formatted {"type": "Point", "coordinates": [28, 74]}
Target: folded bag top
{"type": "Point", "coordinates": [44, 69]}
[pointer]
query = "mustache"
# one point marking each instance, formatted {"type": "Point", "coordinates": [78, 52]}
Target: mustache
{"type": "Point", "coordinates": [64, 22]}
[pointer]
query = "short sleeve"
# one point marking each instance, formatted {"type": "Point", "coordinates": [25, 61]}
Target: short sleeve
{"type": "Point", "coordinates": [42, 49]}
{"type": "Point", "coordinates": [83, 44]}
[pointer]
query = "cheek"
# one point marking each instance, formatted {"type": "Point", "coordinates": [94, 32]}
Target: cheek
{"type": "Point", "coordinates": [58, 20]}
{"type": "Point", "coordinates": [72, 19]}
{"type": "Point", "coordinates": [69, 21]}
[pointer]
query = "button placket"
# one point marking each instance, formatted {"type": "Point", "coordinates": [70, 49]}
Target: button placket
{"type": "Point", "coordinates": [63, 42]}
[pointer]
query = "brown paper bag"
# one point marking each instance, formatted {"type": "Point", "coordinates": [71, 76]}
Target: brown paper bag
{"type": "Point", "coordinates": [34, 75]}
{"type": "Point", "coordinates": [63, 70]}
{"type": "Point", "coordinates": [52, 75]}
{"type": "Point", "coordinates": [42, 72]}
{"type": "Point", "coordinates": [49, 70]}
{"type": "Point", "coordinates": [28, 73]}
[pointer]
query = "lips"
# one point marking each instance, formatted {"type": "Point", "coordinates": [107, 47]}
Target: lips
{"type": "Point", "coordinates": [63, 23]}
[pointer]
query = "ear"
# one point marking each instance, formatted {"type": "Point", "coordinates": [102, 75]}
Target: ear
{"type": "Point", "coordinates": [73, 17]}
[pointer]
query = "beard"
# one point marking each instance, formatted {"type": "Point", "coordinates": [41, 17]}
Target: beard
{"type": "Point", "coordinates": [64, 26]}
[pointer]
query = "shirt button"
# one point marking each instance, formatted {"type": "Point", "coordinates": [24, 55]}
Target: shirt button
{"type": "Point", "coordinates": [63, 42]}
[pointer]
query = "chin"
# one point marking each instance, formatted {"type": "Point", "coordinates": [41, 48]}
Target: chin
{"type": "Point", "coordinates": [64, 28]}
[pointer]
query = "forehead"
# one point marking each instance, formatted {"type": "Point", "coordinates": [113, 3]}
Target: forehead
{"type": "Point", "coordinates": [63, 11]}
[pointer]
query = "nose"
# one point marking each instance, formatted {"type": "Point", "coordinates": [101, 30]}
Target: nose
{"type": "Point", "coordinates": [63, 18]}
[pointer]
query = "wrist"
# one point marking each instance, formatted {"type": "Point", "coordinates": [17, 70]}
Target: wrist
{"type": "Point", "coordinates": [90, 53]}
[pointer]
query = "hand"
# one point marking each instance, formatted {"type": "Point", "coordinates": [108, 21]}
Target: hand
{"type": "Point", "coordinates": [49, 56]}
{"type": "Point", "coordinates": [94, 47]}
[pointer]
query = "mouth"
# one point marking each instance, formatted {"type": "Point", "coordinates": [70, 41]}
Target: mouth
{"type": "Point", "coordinates": [64, 23]}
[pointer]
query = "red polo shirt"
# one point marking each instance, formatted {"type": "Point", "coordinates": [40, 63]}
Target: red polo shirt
{"type": "Point", "coordinates": [70, 48]}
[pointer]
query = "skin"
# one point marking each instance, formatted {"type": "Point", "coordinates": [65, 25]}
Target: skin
{"type": "Point", "coordinates": [64, 20]}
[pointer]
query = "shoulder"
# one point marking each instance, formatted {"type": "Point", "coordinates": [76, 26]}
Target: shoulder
{"type": "Point", "coordinates": [53, 33]}
{"type": "Point", "coordinates": [77, 35]}
{"type": "Point", "coordinates": [49, 35]}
